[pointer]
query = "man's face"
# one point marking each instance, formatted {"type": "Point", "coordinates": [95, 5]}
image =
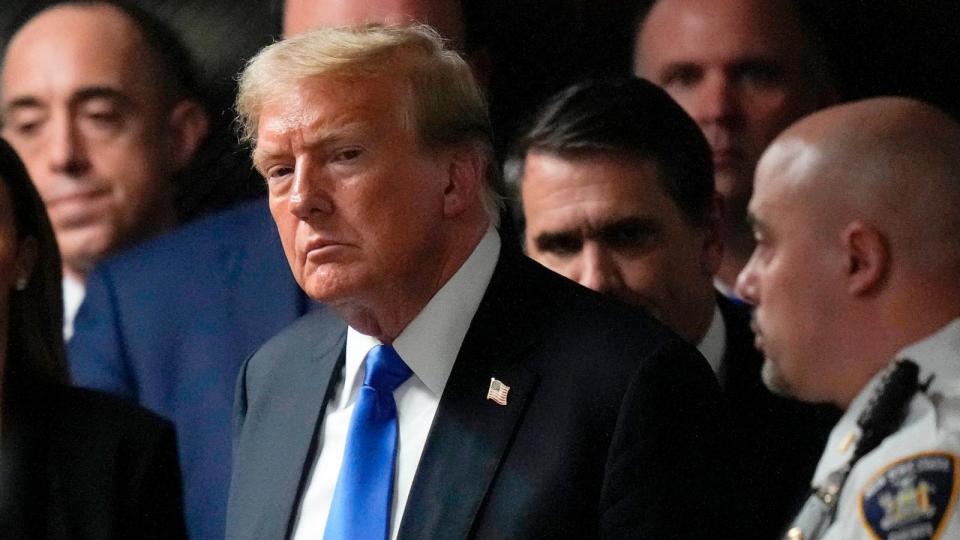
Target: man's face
{"type": "Point", "coordinates": [91, 129]}
{"type": "Point", "coordinates": [357, 201]}
{"type": "Point", "coordinates": [792, 279]}
{"type": "Point", "coordinates": [736, 66]}
{"type": "Point", "coordinates": [604, 221]}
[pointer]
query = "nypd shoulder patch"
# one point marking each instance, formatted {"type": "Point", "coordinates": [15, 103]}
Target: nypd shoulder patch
{"type": "Point", "coordinates": [910, 498]}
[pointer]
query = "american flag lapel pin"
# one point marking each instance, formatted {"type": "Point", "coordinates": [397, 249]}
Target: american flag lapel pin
{"type": "Point", "coordinates": [497, 392]}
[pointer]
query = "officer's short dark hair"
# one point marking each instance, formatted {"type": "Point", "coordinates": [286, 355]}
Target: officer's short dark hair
{"type": "Point", "coordinates": [631, 117]}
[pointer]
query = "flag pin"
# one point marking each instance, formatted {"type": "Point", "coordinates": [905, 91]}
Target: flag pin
{"type": "Point", "coordinates": [498, 392]}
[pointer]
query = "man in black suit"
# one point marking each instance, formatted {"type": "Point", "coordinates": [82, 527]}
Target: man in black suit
{"type": "Point", "coordinates": [618, 195]}
{"type": "Point", "coordinates": [519, 404]}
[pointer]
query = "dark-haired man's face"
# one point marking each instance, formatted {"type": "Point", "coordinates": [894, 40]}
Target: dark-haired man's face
{"type": "Point", "coordinates": [736, 67]}
{"type": "Point", "coordinates": [91, 128]}
{"type": "Point", "coordinates": [606, 222]}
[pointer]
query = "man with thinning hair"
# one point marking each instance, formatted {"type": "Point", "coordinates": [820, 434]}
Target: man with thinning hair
{"type": "Point", "coordinates": [100, 102]}
{"type": "Point", "coordinates": [856, 283]}
{"type": "Point", "coordinates": [470, 392]}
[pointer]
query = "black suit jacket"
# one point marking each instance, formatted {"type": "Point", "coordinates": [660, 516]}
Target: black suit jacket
{"type": "Point", "coordinates": [81, 465]}
{"type": "Point", "coordinates": [779, 440]}
{"type": "Point", "coordinates": [613, 428]}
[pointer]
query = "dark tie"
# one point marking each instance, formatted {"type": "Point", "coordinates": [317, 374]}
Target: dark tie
{"type": "Point", "coordinates": [361, 500]}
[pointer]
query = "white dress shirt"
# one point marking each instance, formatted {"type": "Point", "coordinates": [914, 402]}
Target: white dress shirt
{"type": "Point", "coordinates": [932, 425]}
{"type": "Point", "coordinates": [429, 345]}
{"type": "Point", "coordinates": [73, 293]}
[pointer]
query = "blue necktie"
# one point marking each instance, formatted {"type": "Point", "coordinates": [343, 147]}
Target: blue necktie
{"type": "Point", "coordinates": [361, 501]}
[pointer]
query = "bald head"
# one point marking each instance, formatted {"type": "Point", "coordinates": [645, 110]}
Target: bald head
{"type": "Point", "coordinates": [445, 15]}
{"type": "Point", "coordinates": [855, 211]}
{"type": "Point", "coordinates": [892, 162]}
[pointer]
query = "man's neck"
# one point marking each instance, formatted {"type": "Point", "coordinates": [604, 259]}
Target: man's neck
{"type": "Point", "coordinates": [385, 313]}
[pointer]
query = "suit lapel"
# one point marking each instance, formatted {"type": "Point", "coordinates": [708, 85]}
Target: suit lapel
{"type": "Point", "coordinates": [281, 455]}
{"type": "Point", "coordinates": [470, 434]}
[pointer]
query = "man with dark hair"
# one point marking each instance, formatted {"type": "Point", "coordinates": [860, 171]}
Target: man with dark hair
{"type": "Point", "coordinates": [617, 191]}
{"type": "Point", "coordinates": [744, 70]}
{"type": "Point", "coordinates": [99, 103]}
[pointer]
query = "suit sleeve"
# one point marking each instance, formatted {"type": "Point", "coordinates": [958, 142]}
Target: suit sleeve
{"type": "Point", "coordinates": [668, 474]}
{"type": "Point", "coordinates": [96, 351]}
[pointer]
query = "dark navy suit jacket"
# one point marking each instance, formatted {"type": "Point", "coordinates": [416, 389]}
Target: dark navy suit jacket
{"type": "Point", "coordinates": [614, 427]}
{"type": "Point", "coordinates": [168, 325]}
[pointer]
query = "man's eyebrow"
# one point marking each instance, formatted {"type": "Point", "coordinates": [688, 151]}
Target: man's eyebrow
{"type": "Point", "coordinates": [84, 94]}
{"type": "Point", "coordinates": [323, 138]}
{"type": "Point", "coordinates": [546, 239]}
{"type": "Point", "coordinates": [100, 92]}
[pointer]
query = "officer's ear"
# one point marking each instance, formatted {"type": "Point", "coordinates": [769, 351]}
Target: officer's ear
{"type": "Point", "coordinates": [867, 254]}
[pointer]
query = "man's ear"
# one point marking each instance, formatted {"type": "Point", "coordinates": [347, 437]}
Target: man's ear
{"type": "Point", "coordinates": [867, 255]}
{"type": "Point", "coordinates": [712, 251]}
{"type": "Point", "coordinates": [188, 129]}
{"type": "Point", "coordinates": [465, 174]}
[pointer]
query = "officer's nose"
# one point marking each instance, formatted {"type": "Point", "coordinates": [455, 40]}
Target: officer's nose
{"type": "Point", "coordinates": [746, 286]}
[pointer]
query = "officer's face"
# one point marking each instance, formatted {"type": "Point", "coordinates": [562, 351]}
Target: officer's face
{"type": "Point", "coordinates": [794, 280]}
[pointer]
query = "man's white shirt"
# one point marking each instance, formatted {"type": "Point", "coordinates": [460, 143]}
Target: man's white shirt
{"type": "Point", "coordinates": [73, 293]}
{"type": "Point", "coordinates": [429, 345]}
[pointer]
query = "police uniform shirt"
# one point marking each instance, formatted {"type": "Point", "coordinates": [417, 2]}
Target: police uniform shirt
{"type": "Point", "coordinates": [906, 488]}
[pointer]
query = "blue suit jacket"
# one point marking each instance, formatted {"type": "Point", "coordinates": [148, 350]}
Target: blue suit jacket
{"type": "Point", "coordinates": [168, 325]}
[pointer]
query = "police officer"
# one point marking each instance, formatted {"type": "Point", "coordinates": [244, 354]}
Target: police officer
{"type": "Point", "coordinates": [856, 286]}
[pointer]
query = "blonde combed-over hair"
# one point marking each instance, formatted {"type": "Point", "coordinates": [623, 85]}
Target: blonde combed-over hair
{"type": "Point", "coordinates": [448, 107]}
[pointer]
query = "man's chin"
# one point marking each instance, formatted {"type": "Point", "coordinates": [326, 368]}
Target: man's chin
{"type": "Point", "coordinates": [774, 380]}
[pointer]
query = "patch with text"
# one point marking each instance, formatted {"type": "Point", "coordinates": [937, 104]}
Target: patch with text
{"type": "Point", "coordinates": [911, 498]}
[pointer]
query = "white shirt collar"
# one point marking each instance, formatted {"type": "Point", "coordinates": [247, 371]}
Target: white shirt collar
{"type": "Point", "coordinates": [73, 293]}
{"type": "Point", "coordinates": [714, 342]}
{"type": "Point", "coordinates": [431, 342]}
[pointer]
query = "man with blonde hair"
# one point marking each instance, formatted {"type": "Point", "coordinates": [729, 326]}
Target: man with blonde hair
{"type": "Point", "coordinates": [497, 398]}
{"type": "Point", "coordinates": [856, 283]}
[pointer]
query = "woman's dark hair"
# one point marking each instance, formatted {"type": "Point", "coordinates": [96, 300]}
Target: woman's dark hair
{"type": "Point", "coordinates": [35, 332]}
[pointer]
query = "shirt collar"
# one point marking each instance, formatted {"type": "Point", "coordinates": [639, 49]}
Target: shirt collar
{"type": "Point", "coordinates": [430, 343]}
{"type": "Point", "coordinates": [714, 342]}
{"type": "Point", "coordinates": [73, 293]}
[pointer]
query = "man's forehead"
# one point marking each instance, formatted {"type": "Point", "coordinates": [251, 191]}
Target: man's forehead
{"type": "Point", "coordinates": [75, 47]}
{"type": "Point", "coordinates": [701, 31]}
{"type": "Point", "coordinates": [303, 15]}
